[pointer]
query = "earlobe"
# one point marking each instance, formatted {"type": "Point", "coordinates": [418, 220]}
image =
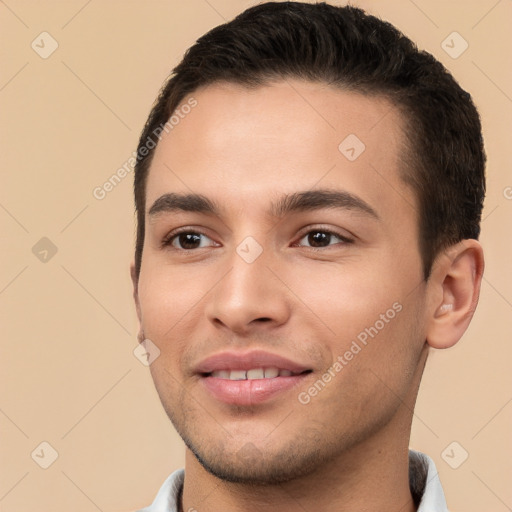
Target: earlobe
{"type": "Point", "coordinates": [455, 287]}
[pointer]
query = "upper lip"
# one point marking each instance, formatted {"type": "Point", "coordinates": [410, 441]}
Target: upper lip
{"type": "Point", "coordinates": [231, 360]}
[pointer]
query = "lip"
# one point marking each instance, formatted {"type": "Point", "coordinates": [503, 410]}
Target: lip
{"type": "Point", "coordinates": [249, 392]}
{"type": "Point", "coordinates": [247, 361]}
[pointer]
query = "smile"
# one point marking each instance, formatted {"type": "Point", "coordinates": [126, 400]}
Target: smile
{"type": "Point", "coordinates": [253, 373]}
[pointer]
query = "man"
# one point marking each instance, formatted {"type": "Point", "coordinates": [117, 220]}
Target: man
{"type": "Point", "coordinates": [308, 190]}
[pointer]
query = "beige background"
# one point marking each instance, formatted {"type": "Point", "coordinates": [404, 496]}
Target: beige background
{"type": "Point", "coordinates": [68, 373]}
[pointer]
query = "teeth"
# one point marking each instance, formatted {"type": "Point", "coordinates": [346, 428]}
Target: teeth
{"type": "Point", "coordinates": [237, 375]}
{"type": "Point", "coordinates": [253, 373]}
{"type": "Point", "coordinates": [221, 374]}
{"type": "Point", "coordinates": [257, 373]}
{"type": "Point", "coordinates": [270, 373]}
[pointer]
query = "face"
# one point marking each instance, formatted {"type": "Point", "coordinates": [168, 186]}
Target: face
{"type": "Point", "coordinates": [281, 278]}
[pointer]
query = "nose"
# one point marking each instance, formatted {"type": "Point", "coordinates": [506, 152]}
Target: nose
{"type": "Point", "coordinates": [249, 297]}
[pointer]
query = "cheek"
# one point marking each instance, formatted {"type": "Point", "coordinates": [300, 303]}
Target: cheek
{"type": "Point", "coordinates": [391, 345]}
{"type": "Point", "coordinates": [378, 364]}
{"type": "Point", "coordinates": [373, 323]}
{"type": "Point", "coordinates": [172, 300]}
{"type": "Point", "coordinates": [347, 298]}
{"type": "Point", "coordinates": [167, 297]}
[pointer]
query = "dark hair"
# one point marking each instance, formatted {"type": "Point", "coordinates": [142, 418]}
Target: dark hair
{"type": "Point", "coordinates": [343, 46]}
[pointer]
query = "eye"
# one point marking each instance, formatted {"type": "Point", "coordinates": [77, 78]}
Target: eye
{"type": "Point", "coordinates": [318, 238]}
{"type": "Point", "coordinates": [188, 240]}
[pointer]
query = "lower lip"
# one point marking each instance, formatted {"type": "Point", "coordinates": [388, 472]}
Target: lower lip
{"type": "Point", "coordinates": [250, 392]}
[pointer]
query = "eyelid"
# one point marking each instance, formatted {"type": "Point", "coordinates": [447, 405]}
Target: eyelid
{"type": "Point", "coordinates": [346, 238]}
{"type": "Point", "coordinates": [167, 239]}
{"type": "Point", "coordinates": [166, 242]}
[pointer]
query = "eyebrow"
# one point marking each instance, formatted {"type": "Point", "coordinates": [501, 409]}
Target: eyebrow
{"type": "Point", "coordinates": [289, 203]}
{"type": "Point", "coordinates": [321, 199]}
{"type": "Point", "coordinates": [173, 202]}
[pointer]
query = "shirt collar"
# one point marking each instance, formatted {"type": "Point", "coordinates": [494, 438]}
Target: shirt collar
{"type": "Point", "coordinates": [433, 499]}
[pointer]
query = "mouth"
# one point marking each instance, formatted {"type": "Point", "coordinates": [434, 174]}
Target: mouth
{"type": "Point", "coordinates": [254, 373]}
{"type": "Point", "coordinates": [250, 378]}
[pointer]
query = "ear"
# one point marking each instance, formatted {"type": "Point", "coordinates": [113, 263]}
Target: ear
{"type": "Point", "coordinates": [135, 282]}
{"type": "Point", "coordinates": [454, 287]}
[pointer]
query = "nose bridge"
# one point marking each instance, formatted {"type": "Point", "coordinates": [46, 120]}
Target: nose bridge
{"type": "Point", "coordinates": [249, 291]}
{"type": "Point", "coordinates": [248, 277]}
{"type": "Point", "coordinates": [250, 271]}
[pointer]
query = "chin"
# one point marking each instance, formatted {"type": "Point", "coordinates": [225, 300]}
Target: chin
{"type": "Point", "coordinates": [269, 465]}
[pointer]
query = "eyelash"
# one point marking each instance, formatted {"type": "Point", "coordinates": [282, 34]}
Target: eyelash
{"type": "Point", "coordinates": [344, 239]}
{"type": "Point", "coordinates": [167, 241]}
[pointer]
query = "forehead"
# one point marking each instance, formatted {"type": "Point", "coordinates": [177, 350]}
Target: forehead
{"type": "Point", "coordinates": [244, 146]}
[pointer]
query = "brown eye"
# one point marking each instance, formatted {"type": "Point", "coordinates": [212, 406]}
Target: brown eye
{"type": "Point", "coordinates": [189, 240]}
{"type": "Point", "coordinates": [319, 239]}
{"type": "Point", "coordinates": [322, 238]}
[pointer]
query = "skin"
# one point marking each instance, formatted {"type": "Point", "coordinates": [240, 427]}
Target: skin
{"type": "Point", "coordinates": [347, 449]}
